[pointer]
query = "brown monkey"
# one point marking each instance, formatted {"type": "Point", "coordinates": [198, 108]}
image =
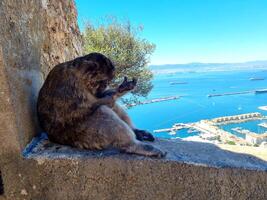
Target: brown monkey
{"type": "Point", "coordinates": [75, 108]}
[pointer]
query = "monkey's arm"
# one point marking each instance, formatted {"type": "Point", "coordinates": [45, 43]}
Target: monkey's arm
{"type": "Point", "coordinates": [110, 96]}
{"type": "Point", "coordinates": [123, 88]}
{"type": "Point", "coordinates": [106, 100]}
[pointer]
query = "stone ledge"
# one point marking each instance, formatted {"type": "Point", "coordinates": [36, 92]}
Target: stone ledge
{"type": "Point", "coordinates": [195, 153]}
{"type": "Point", "coordinates": [191, 170]}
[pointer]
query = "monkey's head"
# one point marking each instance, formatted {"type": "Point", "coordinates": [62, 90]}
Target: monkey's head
{"type": "Point", "coordinates": [96, 71]}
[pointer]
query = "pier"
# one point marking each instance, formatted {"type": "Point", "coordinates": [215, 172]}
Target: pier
{"type": "Point", "coordinates": [175, 127]}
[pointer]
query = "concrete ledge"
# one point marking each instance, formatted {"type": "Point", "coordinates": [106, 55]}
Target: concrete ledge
{"type": "Point", "coordinates": [191, 170]}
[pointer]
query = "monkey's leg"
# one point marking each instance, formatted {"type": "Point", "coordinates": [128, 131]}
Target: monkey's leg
{"type": "Point", "coordinates": [140, 134]}
{"type": "Point", "coordinates": [106, 129]}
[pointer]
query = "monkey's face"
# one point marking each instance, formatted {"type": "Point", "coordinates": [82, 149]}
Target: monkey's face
{"type": "Point", "coordinates": [103, 82]}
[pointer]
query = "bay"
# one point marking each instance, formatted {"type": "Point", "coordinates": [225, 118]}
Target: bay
{"type": "Point", "coordinates": [195, 105]}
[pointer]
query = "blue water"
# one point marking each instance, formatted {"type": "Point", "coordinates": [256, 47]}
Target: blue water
{"type": "Point", "coordinates": [194, 105]}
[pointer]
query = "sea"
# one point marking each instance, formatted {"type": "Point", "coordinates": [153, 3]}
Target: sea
{"type": "Point", "coordinates": [194, 103]}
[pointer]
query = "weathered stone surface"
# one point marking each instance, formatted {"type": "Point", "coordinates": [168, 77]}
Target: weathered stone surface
{"type": "Point", "coordinates": [191, 170]}
{"type": "Point", "coordinates": [34, 36]}
{"type": "Point", "coordinates": [197, 153]}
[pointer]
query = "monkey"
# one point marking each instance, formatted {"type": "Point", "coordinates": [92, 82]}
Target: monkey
{"type": "Point", "coordinates": [75, 107]}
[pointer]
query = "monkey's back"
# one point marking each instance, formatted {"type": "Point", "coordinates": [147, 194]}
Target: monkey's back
{"type": "Point", "coordinates": [63, 105]}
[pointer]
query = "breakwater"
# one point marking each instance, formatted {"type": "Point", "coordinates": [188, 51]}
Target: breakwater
{"type": "Point", "coordinates": [237, 118]}
{"type": "Point", "coordinates": [259, 91]}
{"type": "Point", "coordinates": [178, 83]}
{"type": "Point", "coordinates": [230, 93]}
{"type": "Point", "coordinates": [154, 100]}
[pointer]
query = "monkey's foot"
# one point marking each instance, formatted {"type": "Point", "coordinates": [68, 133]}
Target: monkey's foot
{"type": "Point", "coordinates": [143, 135]}
{"type": "Point", "coordinates": [144, 149]}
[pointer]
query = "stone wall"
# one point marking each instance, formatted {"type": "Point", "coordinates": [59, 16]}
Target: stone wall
{"type": "Point", "coordinates": [35, 36]}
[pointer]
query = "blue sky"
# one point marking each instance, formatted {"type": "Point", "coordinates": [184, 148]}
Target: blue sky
{"type": "Point", "coordinates": [187, 31]}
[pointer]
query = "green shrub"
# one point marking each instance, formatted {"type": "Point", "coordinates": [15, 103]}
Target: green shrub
{"type": "Point", "coordinates": [230, 142]}
{"type": "Point", "coordinates": [120, 41]}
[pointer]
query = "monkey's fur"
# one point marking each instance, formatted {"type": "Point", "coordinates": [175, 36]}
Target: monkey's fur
{"type": "Point", "coordinates": [76, 108]}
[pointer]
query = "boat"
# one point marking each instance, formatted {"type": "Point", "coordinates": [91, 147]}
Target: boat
{"type": "Point", "coordinates": [237, 129]}
{"type": "Point", "coordinates": [264, 125]}
{"type": "Point", "coordinates": [192, 131]}
{"type": "Point", "coordinates": [256, 79]}
{"type": "Point", "coordinates": [261, 91]}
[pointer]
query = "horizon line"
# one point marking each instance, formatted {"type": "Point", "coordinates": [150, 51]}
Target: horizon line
{"type": "Point", "coordinates": [188, 63]}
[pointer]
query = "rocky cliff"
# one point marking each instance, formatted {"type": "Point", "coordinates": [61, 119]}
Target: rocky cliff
{"type": "Point", "coordinates": [35, 35]}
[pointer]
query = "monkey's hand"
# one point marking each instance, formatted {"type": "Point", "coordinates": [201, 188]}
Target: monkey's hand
{"type": "Point", "coordinates": [126, 85]}
{"type": "Point", "coordinates": [123, 88]}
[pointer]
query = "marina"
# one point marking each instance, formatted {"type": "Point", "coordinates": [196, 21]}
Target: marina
{"type": "Point", "coordinates": [211, 130]}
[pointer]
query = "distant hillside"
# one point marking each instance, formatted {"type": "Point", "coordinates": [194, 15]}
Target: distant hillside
{"type": "Point", "coordinates": [203, 67]}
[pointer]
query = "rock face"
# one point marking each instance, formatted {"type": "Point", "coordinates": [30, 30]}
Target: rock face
{"type": "Point", "coordinates": [35, 36]}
